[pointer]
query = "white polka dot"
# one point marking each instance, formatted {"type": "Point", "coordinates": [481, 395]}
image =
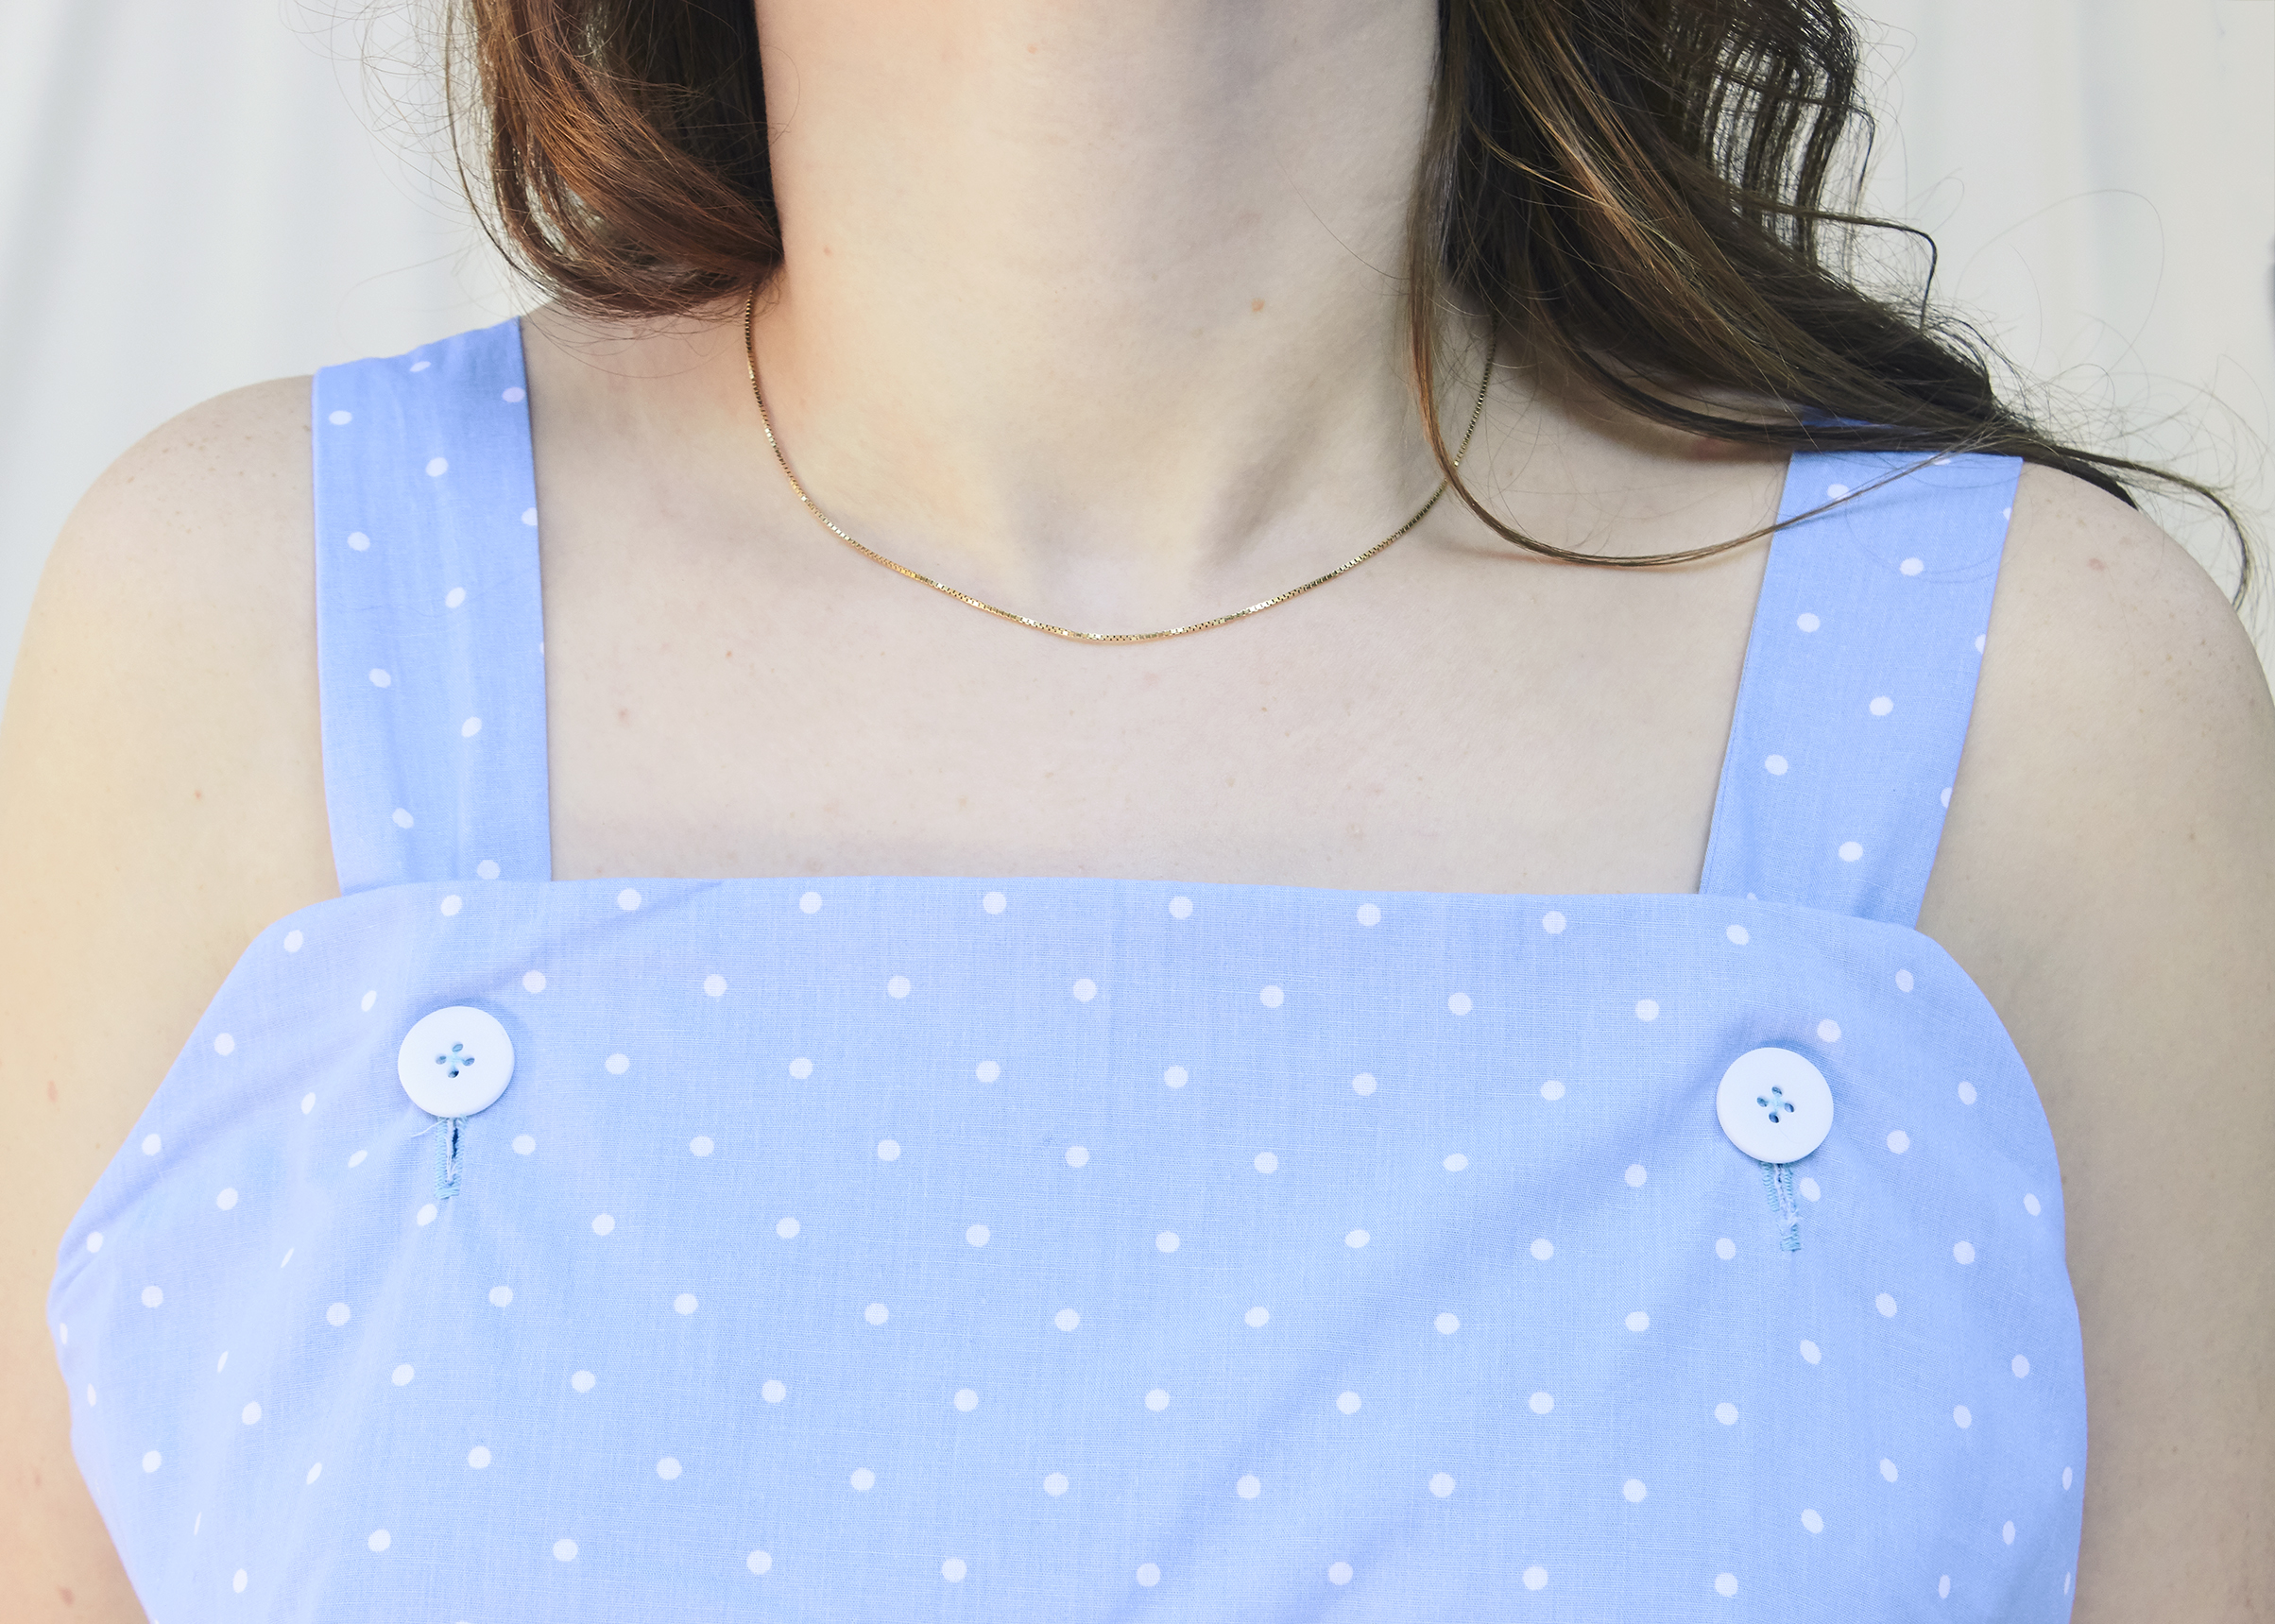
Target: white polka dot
{"type": "Point", "coordinates": [500, 1296]}
{"type": "Point", "coordinates": [1536, 1578]}
{"type": "Point", "coordinates": [1447, 1324]}
{"type": "Point", "coordinates": [1835, 492]}
{"type": "Point", "coordinates": [1912, 566]}
{"type": "Point", "coordinates": [1441, 1484]}
{"type": "Point", "coordinates": [1647, 1009]}
{"type": "Point", "coordinates": [1635, 1175]}
{"type": "Point", "coordinates": [338, 1314]}
{"type": "Point", "coordinates": [437, 467]}
{"type": "Point", "coordinates": [1174, 1077]}
{"type": "Point", "coordinates": [515, 395]}
{"type": "Point", "coordinates": [684, 1303]}
{"type": "Point", "coordinates": [1266, 1162]}
{"type": "Point", "coordinates": [967, 1400]}
{"type": "Point", "coordinates": [1084, 990]}
{"type": "Point", "coordinates": [1157, 1401]}
{"type": "Point", "coordinates": [151, 1144]}
{"type": "Point", "coordinates": [876, 1313]}
{"type": "Point", "coordinates": [225, 1044]}
{"type": "Point", "coordinates": [402, 1374]}
{"type": "Point", "coordinates": [1638, 1320]}
{"type": "Point", "coordinates": [1887, 1305]}
{"type": "Point", "coordinates": [455, 597]}
{"type": "Point", "coordinates": [1811, 1352]}
{"type": "Point", "coordinates": [1078, 1157]}
{"type": "Point", "coordinates": [308, 1100]}
{"type": "Point", "coordinates": [667, 1468]}
{"type": "Point", "coordinates": [2021, 1367]}
{"type": "Point", "coordinates": [2029, 1205]}
{"type": "Point", "coordinates": [1369, 914]}
{"type": "Point", "coordinates": [774, 1391]}
{"type": "Point", "coordinates": [1962, 1417]}
{"type": "Point", "coordinates": [1967, 1094]}
{"type": "Point", "coordinates": [1541, 1402]}
{"type": "Point", "coordinates": [788, 1229]}
{"type": "Point", "coordinates": [1946, 797]}
{"type": "Point", "coordinates": [249, 1414]}
{"type": "Point", "coordinates": [582, 1381]}
{"type": "Point", "coordinates": [1552, 922]}
{"type": "Point", "coordinates": [1257, 1318]}
{"type": "Point", "coordinates": [1066, 1319]}
{"type": "Point", "coordinates": [451, 906]}
{"type": "Point", "coordinates": [1850, 851]}
{"type": "Point", "coordinates": [1338, 1573]}
{"type": "Point", "coordinates": [1356, 1238]}
{"type": "Point", "coordinates": [897, 986]}
{"type": "Point", "coordinates": [1055, 1484]}
{"type": "Point", "coordinates": [2006, 1533]}
{"type": "Point", "coordinates": [524, 1144]}
{"type": "Point", "coordinates": [1807, 621]}
{"type": "Point", "coordinates": [863, 1480]}
{"type": "Point", "coordinates": [529, 516]}
{"type": "Point", "coordinates": [402, 818]}
{"type": "Point", "coordinates": [1737, 933]}
{"type": "Point", "coordinates": [1364, 1084]}
{"type": "Point", "coordinates": [1881, 706]}
{"type": "Point", "coordinates": [478, 1456]}
{"type": "Point", "coordinates": [152, 1296]}
{"type": "Point", "coordinates": [95, 1240]}
{"type": "Point", "coordinates": [564, 1550]}
{"type": "Point", "coordinates": [628, 899]}
{"type": "Point", "coordinates": [987, 1071]}
{"type": "Point", "coordinates": [811, 902]}
{"type": "Point", "coordinates": [1828, 1031]}
{"type": "Point", "coordinates": [994, 902]}
{"type": "Point", "coordinates": [1551, 1089]}
{"type": "Point", "coordinates": [1811, 1521]}
{"type": "Point", "coordinates": [1348, 1403]}
{"type": "Point", "coordinates": [1899, 1141]}
{"type": "Point", "coordinates": [1544, 1249]}
{"type": "Point", "coordinates": [1725, 1249]}
{"type": "Point", "coordinates": [1964, 1252]}
{"type": "Point", "coordinates": [1809, 1190]}
{"type": "Point", "coordinates": [1270, 997]}
{"type": "Point", "coordinates": [238, 1580]}
{"type": "Point", "coordinates": [152, 1459]}
{"type": "Point", "coordinates": [1180, 907]}
{"type": "Point", "coordinates": [758, 1562]}
{"type": "Point", "coordinates": [380, 1539]}
{"type": "Point", "coordinates": [1887, 1470]}
{"type": "Point", "coordinates": [485, 869]}
{"type": "Point", "coordinates": [226, 1200]}
{"type": "Point", "coordinates": [1167, 1241]}
{"type": "Point", "coordinates": [1775, 765]}
{"type": "Point", "coordinates": [359, 541]}
{"type": "Point", "coordinates": [1903, 981]}
{"type": "Point", "coordinates": [975, 1236]}
{"type": "Point", "coordinates": [1456, 1162]}
{"type": "Point", "coordinates": [617, 1063]}
{"type": "Point", "coordinates": [338, 417]}
{"type": "Point", "coordinates": [953, 1570]}
{"type": "Point", "coordinates": [715, 985]}
{"type": "Point", "coordinates": [888, 1150]}
{"type": "Point", "coordinates": [1634, 1491]}
{"type": "Point", "coordinates": [700, 1146]}
{"type": "Point", "coordinates": [1459, 1004]}
{"type": "Point", "coordinates": [534, 982]}
{"type": "Point", "coordinates": [603, 1223]}
{"type": "Point", "coordinates": [1249, 1487]}
{"type": "Point", "coordinates": [1726, 1412]}
{"type": "Point", "coordinates": [1725, 1584]}
{"type": "Point", "coordinates": [426, 1213]}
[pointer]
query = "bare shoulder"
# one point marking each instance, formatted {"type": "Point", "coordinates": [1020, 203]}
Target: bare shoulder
{"type": "Point", "coordinates": [2108, 877]}
{"type": "Point", "coordinates": [161, 800]}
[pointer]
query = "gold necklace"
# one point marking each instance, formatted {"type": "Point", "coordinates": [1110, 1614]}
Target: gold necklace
{"type": "Point", "coordinates": [750, 354]}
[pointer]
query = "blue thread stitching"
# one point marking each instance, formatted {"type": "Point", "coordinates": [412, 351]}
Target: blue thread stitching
{"type": "Point", "coordinates": [446, 1159]}
{"type": "Point", "coordinates": [1777, 1183]}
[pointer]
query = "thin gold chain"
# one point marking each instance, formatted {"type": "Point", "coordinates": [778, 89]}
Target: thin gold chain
{"type": "Point", "coordinates": [750, 353]}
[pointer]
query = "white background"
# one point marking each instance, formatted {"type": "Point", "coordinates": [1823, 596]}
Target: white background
{"type": "Point", "coordinates": [194, 196]}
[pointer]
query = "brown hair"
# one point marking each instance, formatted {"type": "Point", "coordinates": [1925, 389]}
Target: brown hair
{"type": "Point", "coordinates": [1636, 188]}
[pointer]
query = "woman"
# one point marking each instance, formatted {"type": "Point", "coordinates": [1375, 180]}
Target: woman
{"type": "Point", "coordinates": [1338, 1152]}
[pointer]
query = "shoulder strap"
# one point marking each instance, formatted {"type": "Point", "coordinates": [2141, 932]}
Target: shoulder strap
{"type": "Point", "coordinates": [1858, 681]}
{"type": "Point", "coordinates": [430, 628]}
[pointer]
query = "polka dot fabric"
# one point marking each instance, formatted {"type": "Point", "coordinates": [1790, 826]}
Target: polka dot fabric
{"type": "Point", "coordinates": [936, 1248]}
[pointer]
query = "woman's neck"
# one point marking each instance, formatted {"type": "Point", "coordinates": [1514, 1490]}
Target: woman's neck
{"type": "Point", "coordinates": [1098, 307]}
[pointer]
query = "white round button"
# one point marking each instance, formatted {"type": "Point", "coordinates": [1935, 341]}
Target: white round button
{"type": "Point", "coordinates": [456, 1061]}
{"type": "Point", "coordinates": [1774, 1105]}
